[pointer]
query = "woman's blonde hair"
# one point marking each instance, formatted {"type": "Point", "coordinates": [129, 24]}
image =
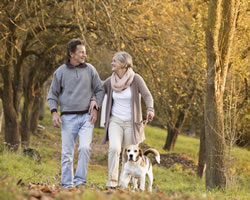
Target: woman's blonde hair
{"type": "Point", "coordinates": [125, 58]}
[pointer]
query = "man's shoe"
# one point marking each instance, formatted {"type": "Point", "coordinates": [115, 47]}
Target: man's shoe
{"type": "Point", "coordinates": [69, 189]}
{"type": "Point", "coordinates": [81, 187]}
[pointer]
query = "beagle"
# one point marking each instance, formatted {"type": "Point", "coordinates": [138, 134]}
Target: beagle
{"type": "Point", "coordinates": [137, 165]}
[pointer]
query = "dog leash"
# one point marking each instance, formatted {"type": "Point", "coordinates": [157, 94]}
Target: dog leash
{"type": "Point", "coordinates": [145, 122]}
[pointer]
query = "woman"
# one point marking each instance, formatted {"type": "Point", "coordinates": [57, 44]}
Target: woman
{"type": "Point", "coordinates": [124, 124]}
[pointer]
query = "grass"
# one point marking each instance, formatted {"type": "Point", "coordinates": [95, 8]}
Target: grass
{"type": "Point", "coordinates": [173, 181]}
{"type": "Point", "coordinates": [23, 167]}
{"type": "Point", "coordinates": [97, 175]}
{"type": "Point", "coordinates": [184, 183]}
{"type": "Point", "coordinates": [156, 137]}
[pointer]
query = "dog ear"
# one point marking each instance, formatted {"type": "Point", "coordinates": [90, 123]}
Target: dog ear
{"type": "Point", "coordinates": [143, 158]}
{"type": "Point", "coordinates": [140, 153]}
{"type": "Point", "coordinates": [125, 156]}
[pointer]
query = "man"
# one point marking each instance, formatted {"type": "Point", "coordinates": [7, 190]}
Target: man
{"type": "Point", "coordinates": [73, 85]}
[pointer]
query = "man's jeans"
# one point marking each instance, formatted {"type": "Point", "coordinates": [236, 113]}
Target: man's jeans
{"type": "Point", "coordinates": [74, 125]}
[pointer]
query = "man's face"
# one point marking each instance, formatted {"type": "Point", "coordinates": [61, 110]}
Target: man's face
{"type": "Point", "coordinates": [78, 57]}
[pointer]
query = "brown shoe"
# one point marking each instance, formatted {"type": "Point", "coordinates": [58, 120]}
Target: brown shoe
{"type": "Point", "coordinates": [110, 188]}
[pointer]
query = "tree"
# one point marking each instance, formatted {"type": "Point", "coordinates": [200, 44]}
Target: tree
{"type": "Point", "coordinates": [178, 69]}
{"type": "Point", "coordinates": [236, 98]}
{"type": "Point", "coordinates": [222, 15]}
{"type": "Point", "coordinates": [202, 153]}
{"type": "Point", "coordinates": [25, 32]}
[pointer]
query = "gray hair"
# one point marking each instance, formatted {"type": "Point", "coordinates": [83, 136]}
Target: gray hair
{"type": "Point", "coordinates": [125, 58]}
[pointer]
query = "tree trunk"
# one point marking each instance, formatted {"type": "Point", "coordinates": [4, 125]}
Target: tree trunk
{"type": "Point", "coordinates": [215, 143]}
{"type": "Point", "coordinates": [26, 118]}
{"type": "Point", "coordinates": [12, 74]}
{"type": "Point", "coordinates": [36, 112]}
{"type": "Point", "coordinates": [171, 139]}
{"type": "Point", "coordinates": [29, 97]}
{"type": "Point", "coordinates": [219, 34]}
{"type": "Point", "coordinates": [42, 106]}
{"type": "Point", "coordinates": [202, 153]}
{"type": "Point", "coordinates": [173, 132]}
{"type": "Point", "coordinates": [214, 122]}
{"type": "Point", "coordinates": [12, 137]}
{"type": "Point", "coordinates": [1, 117]}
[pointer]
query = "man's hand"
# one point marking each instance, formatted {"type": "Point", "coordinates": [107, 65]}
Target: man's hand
{"type": "Point", "coordinates": [93, 116]}
{"type": "Point", "coordinates": [150, 116]}
{"type": "Point", "coordinates": [92, 106]}
{"type": "Point", "coordinates": [56, 119]}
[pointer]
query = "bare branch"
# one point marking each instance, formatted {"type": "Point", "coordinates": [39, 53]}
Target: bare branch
{"type": "Point", "coordinates": [19, 27]}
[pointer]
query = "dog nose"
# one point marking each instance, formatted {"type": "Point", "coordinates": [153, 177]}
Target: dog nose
{"type": "Point", "coordinates": [130, 156]}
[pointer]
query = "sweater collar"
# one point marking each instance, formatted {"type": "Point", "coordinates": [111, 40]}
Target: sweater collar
{"type": "Point", "coordinates": [79, 66]}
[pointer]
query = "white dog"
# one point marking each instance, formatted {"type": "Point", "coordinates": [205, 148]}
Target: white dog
{"type": "Point", "coordinates": [137, 165]}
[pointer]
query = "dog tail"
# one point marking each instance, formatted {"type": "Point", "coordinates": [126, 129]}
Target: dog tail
{"type": "Point", "coordinates": [155, 152]}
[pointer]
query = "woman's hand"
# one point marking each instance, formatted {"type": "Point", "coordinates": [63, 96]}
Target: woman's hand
{"type": "Point", "coordinates": [92, 106]}
{"type": "Point", "coordinates": [150, 116]}
{"type": "Point", "coordinates": [93, 116]}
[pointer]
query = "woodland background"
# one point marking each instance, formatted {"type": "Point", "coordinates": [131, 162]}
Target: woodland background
{"type": "Point", "coordinates": [193, 55]}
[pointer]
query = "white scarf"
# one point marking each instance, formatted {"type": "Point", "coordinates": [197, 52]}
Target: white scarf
{"type": "Point", "coordinates": [119, 84]}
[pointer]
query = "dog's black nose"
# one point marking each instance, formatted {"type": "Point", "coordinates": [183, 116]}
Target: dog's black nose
{"type": "Point", "coordinates": [130, 156]}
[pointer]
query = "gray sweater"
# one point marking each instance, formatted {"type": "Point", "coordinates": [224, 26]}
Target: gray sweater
{"type": "Point", "coordinates": [72, 88]}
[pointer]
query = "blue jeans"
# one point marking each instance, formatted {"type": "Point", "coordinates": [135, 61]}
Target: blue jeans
{"type": "Point", "coordinates": [74, 125]}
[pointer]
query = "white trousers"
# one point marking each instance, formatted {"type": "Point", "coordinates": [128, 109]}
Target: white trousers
{"type": "Point", "coordinates": [120, 134]}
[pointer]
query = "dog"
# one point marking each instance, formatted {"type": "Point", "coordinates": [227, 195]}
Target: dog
{"type": "Point", "coordinates": [137, 165]}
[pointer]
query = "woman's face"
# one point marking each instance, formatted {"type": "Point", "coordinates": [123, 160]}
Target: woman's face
{"type": "Point", "coordinates": [117, 65]}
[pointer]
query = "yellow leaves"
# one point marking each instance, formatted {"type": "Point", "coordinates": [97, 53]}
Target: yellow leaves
{"type": "Point", "coordinates": [248, 168]}
{"type": "Point", "coordinates": [146, 49]}
{"type": "Point", "coordinates": [79, 13]}
{"type": "Point", "coordinates": [52, 47]}
{"type": "Point", "coordinates": [123, 18]}
{"type": "Point", "coordinates": [122, 45]}
{"type": "Point", "coordinates": [147, 17]}
{"type": "Point", "coordinates": [93, 35]}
